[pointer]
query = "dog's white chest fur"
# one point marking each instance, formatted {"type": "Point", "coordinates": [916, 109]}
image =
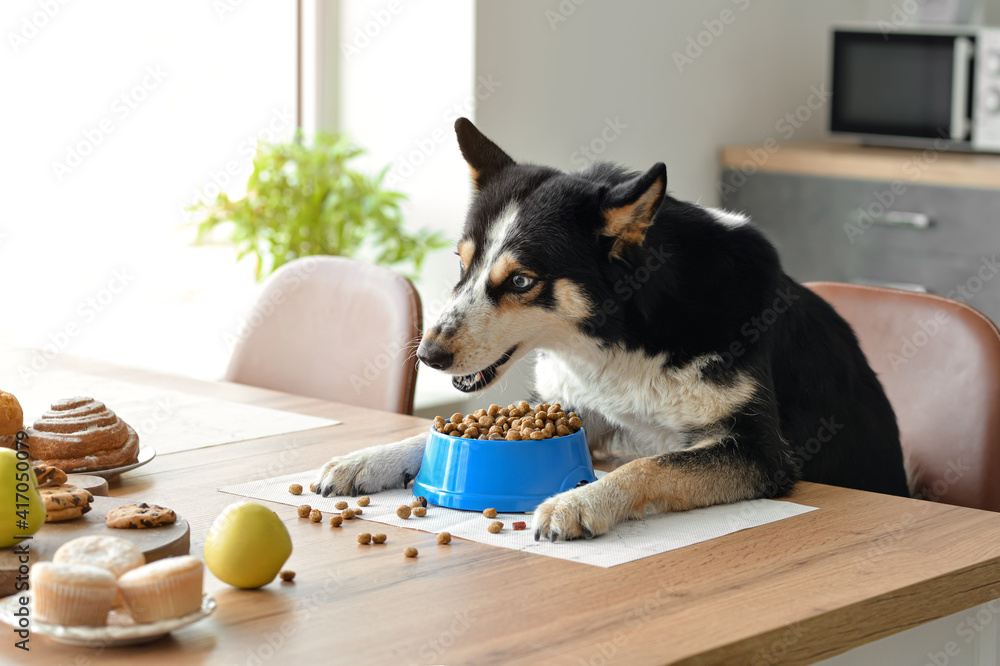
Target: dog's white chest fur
{"type": "Point", "coordinates": [652, 406]}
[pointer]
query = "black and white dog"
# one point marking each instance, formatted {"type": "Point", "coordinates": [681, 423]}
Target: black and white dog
{"type": "Point", "coordinates": [669, 327]}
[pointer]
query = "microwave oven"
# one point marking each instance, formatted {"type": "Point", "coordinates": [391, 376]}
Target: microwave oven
{"type": "Point", "coordinates": [917, 86]}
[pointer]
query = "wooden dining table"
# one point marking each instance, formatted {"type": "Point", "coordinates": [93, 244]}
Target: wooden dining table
{"type": "Point", "coordinates": [860, 568]}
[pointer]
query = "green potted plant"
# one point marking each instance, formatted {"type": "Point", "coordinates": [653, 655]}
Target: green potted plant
{"type": "Point", "coordinates": [306, 199]}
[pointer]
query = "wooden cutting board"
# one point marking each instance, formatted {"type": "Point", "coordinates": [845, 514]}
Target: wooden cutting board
{"type": "Point", "coordinates": [95, 484]}
{"type": "Point", "coordinates": [155, 543]}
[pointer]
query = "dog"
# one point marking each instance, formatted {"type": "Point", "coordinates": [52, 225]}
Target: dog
{"type": "Point", "coordinates": [669, 327]}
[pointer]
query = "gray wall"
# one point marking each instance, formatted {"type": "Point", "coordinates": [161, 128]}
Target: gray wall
{"type": "Point", "coordinates": [566, 68]}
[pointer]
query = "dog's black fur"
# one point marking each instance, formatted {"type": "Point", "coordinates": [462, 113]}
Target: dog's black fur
{"type": "Point", "coordinates": [715, 295]}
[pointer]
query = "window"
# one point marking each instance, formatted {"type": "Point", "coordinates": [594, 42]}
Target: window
{"type": "Point", "coordinates": [118, 116]}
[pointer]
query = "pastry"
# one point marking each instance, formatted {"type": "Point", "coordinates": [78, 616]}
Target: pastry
{"type": "Point", "coordinates": [65, 502]}
{"type": "Point", "coordinates": [82, 435]}
{"type": "Point", "coordinates": [164, 589]}
{"type": "Point", "coordinates": [11, 420]}
{"type": "Point", "coordinates": [108, 552]}
{"type": "Point", "coordinates": [71, 594]}
{"type": "Point", "coordinates": [139, 516]}
{"type": "Point", "coordinates": [47, 475]}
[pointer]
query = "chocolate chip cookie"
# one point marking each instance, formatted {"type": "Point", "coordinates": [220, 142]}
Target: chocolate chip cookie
{"type": "Point", "coordinates": [48, 476]}
{"type": "Point", "coordinates": [65, 502]}
{"type": "Point", "coordinates": [139, 516]}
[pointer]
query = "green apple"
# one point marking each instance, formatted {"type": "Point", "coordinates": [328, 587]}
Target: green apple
{"type": "Point", "coordinates": [247, 545]}
{"type": "Point", "coordinates": [21, 510]}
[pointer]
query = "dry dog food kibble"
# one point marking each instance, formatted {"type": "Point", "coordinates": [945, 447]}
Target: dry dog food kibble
{"type": "Point", "coordinates": [490, 513]}
{"type": "Point", "coordinates": [419, 511]}
{"type": "Point", "coordinates": [520, 525]}
{"type": "Point", "coordinates": [315, 515]}
{"type": "Point", "coordinates": [378, 538]}
{"type": "Point", "coordinates": [364, 537]}
{"type": "Point", "coordinates": [287, 575]}
{"type": "Point", "coordinates": [304, 511]}
{"type": "Point", "coordinates": [512, 423]}
{"type": "Point", "coordinates": [312, 487]}
{"type": "Point", "coordinates": [414, 504]}
{"type": "Point", "coordinates": [495, 527]}
{"type": "Point", "coordinates": [403, 511]}
{"type": "Point", "coordinates": [341, 505]}
{"type": "Point", "coordinates": [422, 500]}
{"type": "Point", "coordinates": [357, 511]}
{"type": "Point", "coordinates": [336, 521]}
{"type": "Point", "coordinates": [411, 552]}
{"type": "Point", "coordinates": [364, 501]}
{"type": "Point", "coordinates": [348, 514]}
{"type": "Point", "coordinates": [444, 538]}
{"type": "Point", "coordinates": [295, 489]}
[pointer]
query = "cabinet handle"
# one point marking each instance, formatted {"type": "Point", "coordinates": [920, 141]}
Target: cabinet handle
{"type": "Point", "coordinates": [900, 218]}
{"type": "Point", "coordinates": [907, 286]}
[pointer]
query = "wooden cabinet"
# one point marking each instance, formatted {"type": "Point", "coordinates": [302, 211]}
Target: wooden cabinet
{"type": "Point", "coordinates": [854, 214]}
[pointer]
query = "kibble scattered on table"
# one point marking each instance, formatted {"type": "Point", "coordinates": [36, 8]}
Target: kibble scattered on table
{"type": "Point", "coordinates": [357, 511]}
{"type": "Point", "coordinates": [495, 527]}
{"type": "Point", "coordinates": [411, 552]}
{"type": "Point", "coordinates": [364, 501]}
{"type": "Point", "coordinates": [304, 511]}
{"type": "Point", "coordinates": [403, 511]}
{"type": "Point", "coordinates": [419, 511]}
{"type": "Point", "coordinates": [443, 538]}
{"type": "Point", "coordinates": [519, 525]}
{"type": "Point", "coordinates": [336, 520]}
{"type": "Point", "coordinates": [312, 487]}
{"type": "Point", "coordinates": [340, 505]}
{"type": "Point", "coordinates": [490, 513]}
{"type": "Point", "coordinates": [414, 504]}
{"type": "Point", "coordinates": [378, 538]}
{"type": "Point", "coordinates": [287, 575]}
{"type": "Point", "coordinates": [422, 500]}
{"type": "Point", "coordinates": [365, 538]}
{"type": "Point", "coordinates": [316, 515]}
{"type": "Point", "coordinates": [348, 514]}
{"type": "Point", "coordinates": [295, 489]}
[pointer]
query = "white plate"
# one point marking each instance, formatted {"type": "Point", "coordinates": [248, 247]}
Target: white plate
{"type": "Point", "coordinates": [146, 453]}
{"type": "Point", "coordinates": [120, 630]}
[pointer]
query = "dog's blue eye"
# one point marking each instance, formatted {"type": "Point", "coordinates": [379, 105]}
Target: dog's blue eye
{"type": "Point", "coordinates": [521, 282]}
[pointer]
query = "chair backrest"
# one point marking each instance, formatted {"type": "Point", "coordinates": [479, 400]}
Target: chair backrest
{"type": "Point", "coordinates": [336, 329]}
{"type": "Point", "coordinates": [939, 361]}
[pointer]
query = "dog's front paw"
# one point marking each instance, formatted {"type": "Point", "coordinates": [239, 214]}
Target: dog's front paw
{"type": "Point", "coordinates": [583, 512]}
{"type": "Point", "coordinates": [365, 471]}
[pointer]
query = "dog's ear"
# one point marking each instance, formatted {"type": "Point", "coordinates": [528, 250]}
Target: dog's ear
{"type": "Point", "coordinates": [484, 157]}
{"type": "Point", "coordinates": [628, 209]}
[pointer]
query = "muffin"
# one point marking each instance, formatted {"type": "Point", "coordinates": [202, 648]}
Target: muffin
{"type": "Point", "coordinates": [108, 552]}
{"type": "Point", "coordinates": [163, 589]}
{"type": "Point", "coordinates": [11, 420]}
{"type": "Point", "coordinates": [71, 594]}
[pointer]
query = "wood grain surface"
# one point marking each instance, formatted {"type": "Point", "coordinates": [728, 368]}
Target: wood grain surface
{"type": "Point", "coordinates": [862, 567]}
{"type": "Point", "coordinates": [95, 484]}
{"type": "Point", "coordinates": [845, 160]}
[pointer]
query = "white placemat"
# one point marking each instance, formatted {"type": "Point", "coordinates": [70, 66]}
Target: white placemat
{"type": "Point", "coordinates": [168, 420]}
{"type": "Point", "coordinates": [629, 541]}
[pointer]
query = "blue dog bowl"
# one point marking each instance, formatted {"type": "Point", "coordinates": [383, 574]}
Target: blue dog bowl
{"type": "Point", "coordinates": [477, 474]}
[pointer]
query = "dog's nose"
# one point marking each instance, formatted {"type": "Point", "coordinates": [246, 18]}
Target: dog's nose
{"type": "Point", "coordinates": [436, 356]}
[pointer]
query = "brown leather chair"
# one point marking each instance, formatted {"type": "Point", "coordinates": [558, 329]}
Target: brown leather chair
{"type": "Point", "coordinates": [939, 361]}
{"type": "Point", "coordinates": [336, 329]}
